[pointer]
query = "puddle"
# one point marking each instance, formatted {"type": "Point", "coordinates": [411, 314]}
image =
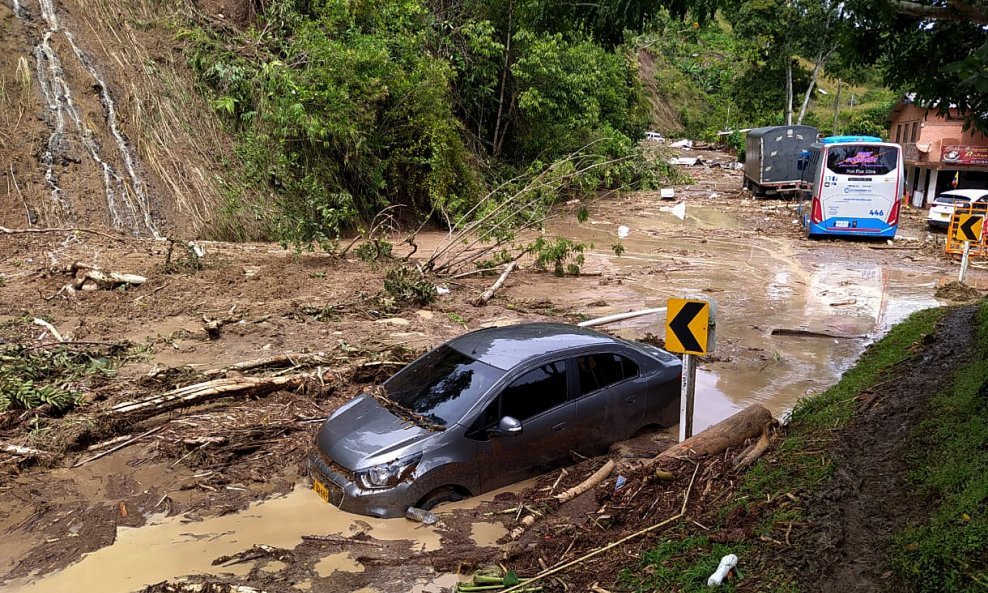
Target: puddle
{"type": "Point", "coordinates": [342, 561]}
{"type": "Point", "coordinates": [182, 547]}
{"type": "Point", "coordinates": [487, 534]}
{"type": "Point", "coordinates": [443, 582]}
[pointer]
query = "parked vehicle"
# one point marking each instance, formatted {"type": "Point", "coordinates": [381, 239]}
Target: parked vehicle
{"type": "Point", "coordinates": [654, 137]}
{"type": "Point", "coordinates": [942, 209]}
{"type": "Point", "coordinates": [853, 187]}
{"type": "Point", "coordinates": [770, 157]}
{"type": "Point", "coordinates": [488, 409]}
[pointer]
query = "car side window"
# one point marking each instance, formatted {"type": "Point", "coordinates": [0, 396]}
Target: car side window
{"type": "Point", "coordinates": [535, 392]}
{"type": "Point", "coordinates": [596, 371]}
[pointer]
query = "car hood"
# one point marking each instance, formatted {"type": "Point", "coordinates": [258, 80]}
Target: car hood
{"type": "Point", "coordinates": [364, 433]}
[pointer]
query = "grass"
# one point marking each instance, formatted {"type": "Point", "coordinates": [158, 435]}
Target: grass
{"type": "Point", "coordinates": [801, 461]}
{"type": "Point", "coordinates": [681, 565]}
{"type": "Point", "coordinates": [773, 490]}
{"type": "Point", "coordinates": [949, 552]}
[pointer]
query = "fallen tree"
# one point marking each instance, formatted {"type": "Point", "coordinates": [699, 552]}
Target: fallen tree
{"type": "Point", "coordinates": [749, 423]}
{"type": "Point", "coordinates": [198, 393]}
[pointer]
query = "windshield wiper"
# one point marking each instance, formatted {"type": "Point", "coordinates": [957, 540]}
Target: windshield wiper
{"type": "Point", "coordinates": [403, 412]}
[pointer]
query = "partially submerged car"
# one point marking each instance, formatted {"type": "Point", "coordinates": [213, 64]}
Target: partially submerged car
{"type": "Point", "coordinates": [942, 209]}
{"type": "Point", "coordinates": [488, 409]}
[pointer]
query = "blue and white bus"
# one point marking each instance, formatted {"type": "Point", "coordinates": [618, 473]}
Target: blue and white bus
{"type": "Point", "coordinates": [852, 186]}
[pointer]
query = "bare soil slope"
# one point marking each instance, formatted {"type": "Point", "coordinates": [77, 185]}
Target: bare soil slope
{"type": "Point", "coordinates": [101, 127]}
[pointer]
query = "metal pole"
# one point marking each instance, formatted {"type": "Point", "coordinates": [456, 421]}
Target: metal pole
{"type": "Point", "coordinates": [965, 259]}
{"type": "Point", "coordinates": [686, 401]}
{"type": "Point", "coordinates": [620, 317]}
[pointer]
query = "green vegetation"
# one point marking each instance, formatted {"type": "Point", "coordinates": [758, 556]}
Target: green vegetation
{"type": "Point", "coordinates": [342, 109]}
{"type": "Point", "coordinates": [406, 286]}
{"type": "Point", "coordinates": [774, 489]}
{"type": "Point", "coordinates": [51, 378]}
{"type": "Point", "coordinates": [949, 552]}
{"type": "Point", "coordinates": [713, 77]}
{"type": "Point", "coordinates": [681, 565]}
{"type": "Point", "coordinates": [801, 461]}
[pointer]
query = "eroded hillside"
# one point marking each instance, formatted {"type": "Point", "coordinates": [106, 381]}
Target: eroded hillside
{"type": "Point", "coordinates": [99, 122]}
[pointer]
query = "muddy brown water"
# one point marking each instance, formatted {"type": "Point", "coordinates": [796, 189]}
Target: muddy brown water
{"type": "Point", "coordinates": [171, 547]}
{"type": "Point", "coordinates": [760, 283]}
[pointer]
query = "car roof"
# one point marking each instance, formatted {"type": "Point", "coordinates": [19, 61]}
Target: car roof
{"type": "Point", "coordinates": [971, 194]}
{"type": "Point", "coordinates": [508, 346]}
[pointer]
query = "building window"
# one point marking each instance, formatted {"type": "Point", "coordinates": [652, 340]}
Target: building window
{"type": "Point", "coordinates": [898, 133]}
{"type": "Point", "coordinates": [915, 135]}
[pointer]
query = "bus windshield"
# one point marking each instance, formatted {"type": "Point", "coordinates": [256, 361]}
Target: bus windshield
{"type": "Point", "coordinates": [862, 159]}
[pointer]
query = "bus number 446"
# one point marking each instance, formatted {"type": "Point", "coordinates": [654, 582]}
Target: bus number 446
{"type": "Point", "coordinates": [876, 212]}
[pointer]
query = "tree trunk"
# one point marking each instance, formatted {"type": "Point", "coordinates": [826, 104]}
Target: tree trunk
{"type": "Point", "coordinates": [820, 59]}
{"type": "Point", "coordinates": [747, 424]}
{"type": "Point", "coordinates": [788, 90]}
{"type": "Point", "coordinates": [496, 144]}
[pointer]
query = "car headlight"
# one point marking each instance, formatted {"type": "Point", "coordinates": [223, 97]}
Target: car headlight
{"type": "Point", "coordinates": [388, 475]}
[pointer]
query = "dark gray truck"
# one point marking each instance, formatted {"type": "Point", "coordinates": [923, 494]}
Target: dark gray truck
{"type": "Point", "coordinates": [771, 156]}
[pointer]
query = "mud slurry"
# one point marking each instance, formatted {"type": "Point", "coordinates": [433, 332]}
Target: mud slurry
{"type": "Point", "coordinates": [173, 491]}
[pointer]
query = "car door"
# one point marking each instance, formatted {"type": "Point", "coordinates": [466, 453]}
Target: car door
{"type": "Point", "coordinates": [539, 400]}
{"type": "Point", "coordinates": [610, 399]}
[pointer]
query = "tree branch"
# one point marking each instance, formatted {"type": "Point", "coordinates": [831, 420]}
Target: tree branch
{"type": "Point", "coordinates": [956, 11]}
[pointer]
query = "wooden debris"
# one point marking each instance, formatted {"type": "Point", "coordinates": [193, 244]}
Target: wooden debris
{"type": "Point", "coordinates": [565, 496]}
{"type": "Point", "coordinates": [280, 361]}
{"type": "Point", "coordinates": [336, 539]}
{"type": "Point", "coordinates": [91, 278]}
{"type": "Point", "coordinates": [730, 432]}
{"type": "Point", "coordinates": [8, 231]}
{"type": "Point", "coordinates": [254, 552]}
{"type": "Point", "coordinates": [126, 443]}
{"type": "Point", "coordinates": [198, 393]}
{"type": "Point", "coordinates": [489, 293]}
{"type": "Point", "coordinates": [752, 453]}
{"type": "Point", "coordinates": [596, 478]}
{"type": "Point", "coordinates": [26, 452]}
{"type": "Point", "coordinates": [612, 545]}
{"type": "Point", "coordinates": [51, 328]}
{"type": "Point", "coordinates": [204, 587]}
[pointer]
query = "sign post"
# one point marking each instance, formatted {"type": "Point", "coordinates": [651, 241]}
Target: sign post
{"type": "Point", "coordinates": [689, 331]}
{"type": "Point", "coordinates": [968, 229]}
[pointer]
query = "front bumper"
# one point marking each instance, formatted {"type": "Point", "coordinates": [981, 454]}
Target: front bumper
{"type": "Point", "coordinates": [344, 493]}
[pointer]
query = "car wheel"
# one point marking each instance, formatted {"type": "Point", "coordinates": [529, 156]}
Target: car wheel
{"type": "Point", "coordinates": [440, 495]}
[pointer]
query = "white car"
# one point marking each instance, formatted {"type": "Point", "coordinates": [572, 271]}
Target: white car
{"type": "Point", "coordinates": [943, 206]}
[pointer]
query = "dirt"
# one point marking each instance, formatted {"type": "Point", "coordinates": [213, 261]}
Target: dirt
{"type": "Point", "coordinates": [868, 500]}
{"type": "Point", "coordinates": [120, 140]}
{"type": "Point", "coordinates": [957, 292]}
{"type": "Point", "coordinates": [248, 487]}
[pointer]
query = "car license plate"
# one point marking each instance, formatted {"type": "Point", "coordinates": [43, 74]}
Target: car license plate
{"type": "Point", "coordinates": [320, 489]}
{"type": "Point", "coordinates": [841, 224]}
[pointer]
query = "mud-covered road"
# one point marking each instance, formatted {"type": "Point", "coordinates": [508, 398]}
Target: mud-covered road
{"type": "Point", "coordinates": [197, 484]}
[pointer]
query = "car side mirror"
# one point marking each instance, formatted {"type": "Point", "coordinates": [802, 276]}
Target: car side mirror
{"type": "Point", "coordinates": [508, 426]}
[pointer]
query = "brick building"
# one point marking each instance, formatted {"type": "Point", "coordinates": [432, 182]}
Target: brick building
{"type": "Point", "coordinates": [937, 150]}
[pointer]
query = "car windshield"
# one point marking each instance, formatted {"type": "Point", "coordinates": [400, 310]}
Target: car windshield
{"type": "Point", "coordinates": [948, 200]}
{"type": "Point", "coordinates": [442, 385]}
{"type": "Point", "coordinates": [862, 159]}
